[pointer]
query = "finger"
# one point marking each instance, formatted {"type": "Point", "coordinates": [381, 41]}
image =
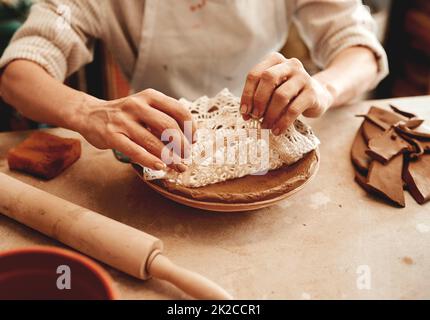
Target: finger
{"type": "Point", "coordinates": [158, 122]}
{"type": "Point", "coordinates": [138, 154]}
{"type": "Point", "coordinates": [294, 110]}
{"type": "Point", "coordinates": [153, 145]}
{"type": "Point", "coordinates": [281, 98]}
{"type": "Point", "coordinates": [246, 117]}
{"type": "Point", "coordinates": [270, 79]}
{"type": "Point", "coordinates": [173, 108]}
{"type": "Point", "coordinates": [252, 80]}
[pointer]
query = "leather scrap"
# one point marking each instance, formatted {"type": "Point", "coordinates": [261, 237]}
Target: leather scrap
{"type": "Point", "coordinates": [386, 146]}
{"type": "Point", "coordinates": [359, 157]}
{"type": "Point", "coordinates": [391, 152]}
{"type": "Point", "coordinates": [386, 180]}
{"type": "Point", "coordinates": [402, 112]}
{"type": "Point", "coordinates": [417, 177]}
{"type": "Point", "coordinates": [382, 120]}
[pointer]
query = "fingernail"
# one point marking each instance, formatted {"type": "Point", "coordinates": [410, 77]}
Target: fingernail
{"type": "Point", "coordinates": [276, 131]}
{"type": "Point", "coordinates": [246, 117]}
{"type": "Point", "coordinates": [255, 116]}
{"type": "Point", "coordinates": [181, 167]}
{"type": "Point", "coordinates": [243, 109]}
{"type": "Point", "coordinates": [160, 166]}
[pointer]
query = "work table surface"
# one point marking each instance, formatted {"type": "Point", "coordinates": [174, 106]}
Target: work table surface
{"type": "Point", "coordinates": [329, 241]}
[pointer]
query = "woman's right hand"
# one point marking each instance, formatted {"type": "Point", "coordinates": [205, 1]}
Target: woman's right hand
{"type": "Point", "coordinates": [134, 126]}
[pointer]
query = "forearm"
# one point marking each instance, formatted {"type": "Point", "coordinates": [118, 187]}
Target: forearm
{"type": "Point", "coordinates": [349, 75]}
{"type": "Point", "coordinates": [131, 125]}
{"type": "Point", "coordinates": [34, 93]}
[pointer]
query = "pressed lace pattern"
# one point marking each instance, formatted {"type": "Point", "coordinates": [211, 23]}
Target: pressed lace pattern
{"type": "Point", "coordinates": [239, 148]}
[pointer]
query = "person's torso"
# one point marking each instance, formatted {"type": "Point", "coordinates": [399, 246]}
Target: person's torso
{"type": "Point", "coordinates": [190, 48]}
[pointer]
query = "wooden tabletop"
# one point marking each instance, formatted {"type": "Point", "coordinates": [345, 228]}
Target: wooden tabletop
{"type": "Point", "coordinates": [330, 241]}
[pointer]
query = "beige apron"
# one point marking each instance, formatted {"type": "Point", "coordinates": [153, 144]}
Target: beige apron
{"type": "Point", "coordinates": [191, 48]}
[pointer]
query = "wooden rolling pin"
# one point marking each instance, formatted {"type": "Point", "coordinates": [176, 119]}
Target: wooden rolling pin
{"type": "Point", "coordinates": [118, 245]}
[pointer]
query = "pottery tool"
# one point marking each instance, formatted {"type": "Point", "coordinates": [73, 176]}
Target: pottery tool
{"type": "Point", "coordinates": [118, 245]}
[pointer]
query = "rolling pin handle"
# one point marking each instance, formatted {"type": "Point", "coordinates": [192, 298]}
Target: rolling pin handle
{"type": "Point", "coordinates": [190, 282]}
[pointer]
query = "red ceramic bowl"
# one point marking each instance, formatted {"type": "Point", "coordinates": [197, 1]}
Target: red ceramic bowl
{"type": "Point", "coordinates": [34, 274]}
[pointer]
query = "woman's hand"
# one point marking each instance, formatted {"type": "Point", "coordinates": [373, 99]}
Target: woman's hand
{"type": "Point", "coordinates": [134, 126]}
{"type": "Point", "coordinates": [279, 90]}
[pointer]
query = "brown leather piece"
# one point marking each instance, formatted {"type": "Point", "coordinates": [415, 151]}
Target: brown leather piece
{"type": "Point", "coordinates": [372, 130]}
{"type": "Point", "coordinates": [359, 157]}
{"type": "Point", "coordinates": [386, 180]}
{"type": "Point", "coordinates": [402, 112]}
{"type": "Point", "coordinates": [386, 116]}
{"type": "Point", "coordinates": [44, 155]}
{"type": "Point", "coordinates": [420, 132]}
{"type": "Point", "coordinates": [417, 177]}
{"type": "Point", "coordinates": [386, 146]}
{"type": "Point", "coordinates": [398, 144]}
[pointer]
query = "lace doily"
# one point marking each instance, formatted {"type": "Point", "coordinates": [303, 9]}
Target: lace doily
{"type": "Point", "coordinates": [236, 147]}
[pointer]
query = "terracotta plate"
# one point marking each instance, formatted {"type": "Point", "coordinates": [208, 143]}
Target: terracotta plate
{"type": "Point", "coordinates": [244, 194]}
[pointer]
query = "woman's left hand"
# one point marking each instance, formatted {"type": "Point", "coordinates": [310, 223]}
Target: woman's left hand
{"type": "Point", "coordinates": [279, 90]}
